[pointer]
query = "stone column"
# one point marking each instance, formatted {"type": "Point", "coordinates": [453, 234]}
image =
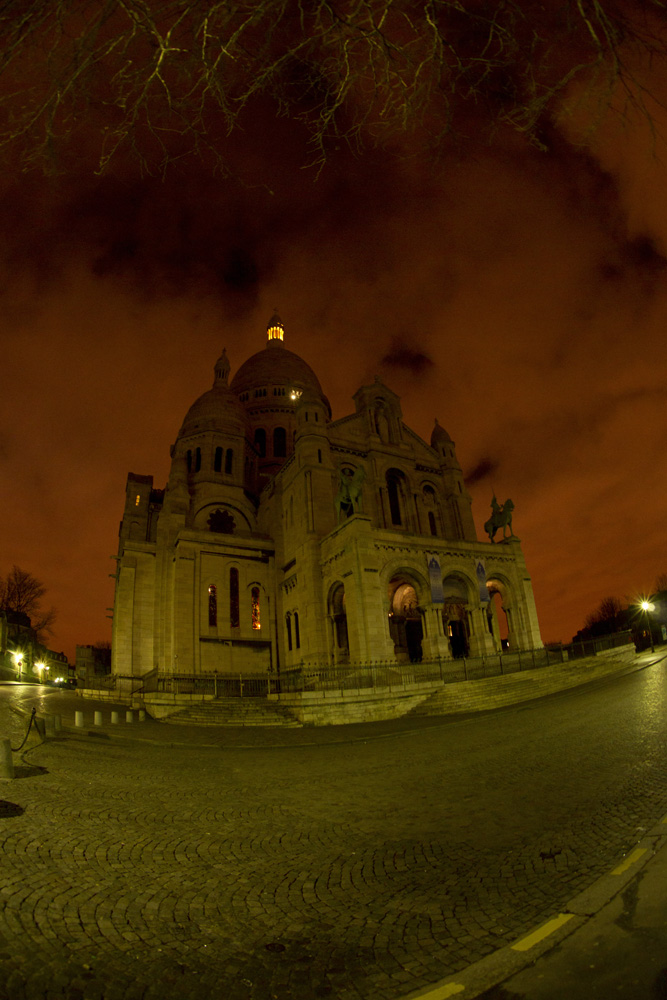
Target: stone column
{"type": "Point", "coordinates": [434, 643]}
{"type": "Point", "coordinates": [481, 640]}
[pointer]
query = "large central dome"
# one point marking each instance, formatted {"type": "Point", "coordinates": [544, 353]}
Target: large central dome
{"type": "Point", "coordinates": [275, 366]}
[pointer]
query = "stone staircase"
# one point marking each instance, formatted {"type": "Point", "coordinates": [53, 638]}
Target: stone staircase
{"type": "Point", "coordinates": [512, 689]}
{"type": "Point", "coordinates": [234, 712]}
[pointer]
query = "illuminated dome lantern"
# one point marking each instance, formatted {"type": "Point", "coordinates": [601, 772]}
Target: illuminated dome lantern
{"type": "Point", "coordinates": [269, 386]}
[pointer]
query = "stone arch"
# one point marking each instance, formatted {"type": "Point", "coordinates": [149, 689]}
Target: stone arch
{"type": "Point", "coordinates": [501, 608]}
{"type": "Point", "coordinates": [458, 589]}
{"type": "Point", "coordinates": [407, 592]}
{"type": "Point", "coordinates": [337, 614]}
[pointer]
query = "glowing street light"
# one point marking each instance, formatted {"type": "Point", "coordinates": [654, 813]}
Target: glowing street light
{"type": "Point", "coordinates": [647, 607]}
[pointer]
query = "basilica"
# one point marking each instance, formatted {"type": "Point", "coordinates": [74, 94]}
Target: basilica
{"type": "Point", "coordinates": [284, 537]}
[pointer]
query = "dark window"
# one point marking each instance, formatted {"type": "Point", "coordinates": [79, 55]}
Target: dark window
{"type": "Point", "coordinates": [393, 492]}
{"type": "Point", "coordinates": [234, 598]}
{"type": "Point", "coordinates": [431, 522]}
{"type": "Point", "coordinates": [260, 441]}
{"type": "Point", "coordinates": [288, 625]}
{"type": "Point", "coordinates": [229, 458]}
{"type": "Point", "coordinates": [198, 460]}
{"type": "Point", "coordinates": [279, 442]}
{"type": "Point", "coordinates": [254, 596]}
{"type": "Point", "coordinates": [297, 638]}
{"type": "Point", "coordinates": [319, 455]}
{"type": "Point", "coordinates": [217, 462]}
{"type": "Point", "coordinates": [188, 459]}
{"type": "Point", "coordinates": [212, 605]}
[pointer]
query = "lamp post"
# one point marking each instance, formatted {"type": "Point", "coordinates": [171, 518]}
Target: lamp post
{"type": "Point", "coordinates": [647, 607]}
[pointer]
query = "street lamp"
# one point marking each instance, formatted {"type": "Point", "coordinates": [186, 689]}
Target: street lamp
{"type": "Point", "coordinates": [18, 661]}
{"type": "Point", "coordinates": [647, 607]}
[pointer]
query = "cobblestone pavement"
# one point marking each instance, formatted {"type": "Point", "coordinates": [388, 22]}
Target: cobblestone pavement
{"type": "Point", "coordinates": [357, 862]}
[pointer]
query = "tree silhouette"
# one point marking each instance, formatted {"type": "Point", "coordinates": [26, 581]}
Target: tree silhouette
{"type": "Point", "coordinates": [167, 78]}
{"type": "Point", "coordinates": [22, 593]}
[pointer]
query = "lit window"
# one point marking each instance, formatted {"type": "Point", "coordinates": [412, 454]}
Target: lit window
{"type": "Point", "coordinates": [255, 608]}
{"type": "Point", "coordinates": [138, 498]}
{"type": "Point", "coordinates": [212, 605]}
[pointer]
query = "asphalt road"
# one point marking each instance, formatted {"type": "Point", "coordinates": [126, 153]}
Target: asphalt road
{"type": "Point", "coordinates": [150, 861]}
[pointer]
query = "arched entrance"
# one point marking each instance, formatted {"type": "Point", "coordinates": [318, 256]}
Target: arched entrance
{"type": "Point", "coordinates": [340, 643]}
{"type": "Point", "coordinates": [497, 611]}
{"type": "Point", "coordinates": [455, 615]}
{"type": "Point", "coordinates": [405, 623]}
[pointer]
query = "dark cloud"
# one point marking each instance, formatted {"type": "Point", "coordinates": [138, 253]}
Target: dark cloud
{"type": "Point", "coordinates": [406, 358]}
{"type": "Point", "coordinates": [484, 468]}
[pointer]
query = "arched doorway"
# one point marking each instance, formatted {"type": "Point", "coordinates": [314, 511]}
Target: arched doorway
{"type": "Point", "coordinates": [497, 611]}
{"type": "Point", "coordinates": [340, 643]}
{"type": "Point", "coordinates": [405, 623]}
{"type": "Point", "coordinates": [455, 616]}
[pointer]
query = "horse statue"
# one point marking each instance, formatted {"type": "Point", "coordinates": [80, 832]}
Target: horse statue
{"type": "Point", "coordinates": [349, 492]}
{"type": "Point", "coordinates": [501, 518]}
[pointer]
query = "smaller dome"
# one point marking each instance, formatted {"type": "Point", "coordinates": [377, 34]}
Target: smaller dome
{"type": "Point", "coordinates": [218, 409]}
{"type": "Point", "coordinates": [439, 435]}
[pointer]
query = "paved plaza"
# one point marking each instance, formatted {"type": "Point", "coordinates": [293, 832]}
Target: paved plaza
{"type": "Point", "coordinates": [366, 861]}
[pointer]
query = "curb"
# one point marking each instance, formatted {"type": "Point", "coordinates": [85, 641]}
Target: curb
{"type": "Point", "coordinates": [495, 969]}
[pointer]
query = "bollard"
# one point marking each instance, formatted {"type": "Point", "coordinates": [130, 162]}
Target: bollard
{"type": "Point", "coordinates": [49, 725]}
{"type": "Point", "coordinates": [142, 715]}
{"type": "Point", "coordinates": [78, 720]}
{"type": "Point", "coordinates": [6, 761]}
{"type": "Point", "coordinates": [58, 722]}
{"type": "Point", "coordinates": [129, 716]}
{"type": "Point", "coordinates": [114, 718]}
{"type": "Point", "coordinates": [98, 718]}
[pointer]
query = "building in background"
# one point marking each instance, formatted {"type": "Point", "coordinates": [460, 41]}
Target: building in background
{"type": "Point", "coordinates": [286, 537]}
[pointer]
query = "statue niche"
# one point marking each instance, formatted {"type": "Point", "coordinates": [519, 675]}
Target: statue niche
{"type": "Point", "coordinates": [347, 500]}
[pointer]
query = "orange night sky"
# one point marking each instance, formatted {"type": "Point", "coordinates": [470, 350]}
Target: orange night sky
{"type": "Point", "coordinates": [518, 295]}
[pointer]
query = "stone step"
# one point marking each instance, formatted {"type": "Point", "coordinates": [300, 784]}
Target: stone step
{"type": "Point", "coordinates": [235, 712]}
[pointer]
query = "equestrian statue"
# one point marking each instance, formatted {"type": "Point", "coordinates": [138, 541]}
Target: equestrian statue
{"type": "Point", "coordinates": [501, 518]}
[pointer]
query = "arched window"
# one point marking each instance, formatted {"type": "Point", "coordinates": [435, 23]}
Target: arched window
{"type": "Point", "coordinates": [234, 598]}
{"type": "Point", "coordinates": [188, 459]}
{"type": "Point", "coordinates": [229, 458]}
{"type": "Point", "coordinates": [260, 441]}
{"type": "Point", "coordinates": [431, 523]}
{"type": "Point", "coordinates": [319, 455]}
{"type": "Point", "coordinates": [212, 605]}
{"type": "Point", "coordinates": [217, 462]}
{"type": "Point", "coordinates": [254, 598]}
{"type": "Point", "coordinates": [297, 637]}
{"type": "Point", "coordinates": [394, 496]}
{"type": "Point", "coordinates": [288, 625]}
{"type": "Point", "coordinates": [198, 460]}
{"type": "Point", "coordinates": [279, 442]}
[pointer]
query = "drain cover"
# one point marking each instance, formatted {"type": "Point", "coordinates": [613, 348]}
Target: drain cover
{"type": "Point", "coordinates": [274, 946]}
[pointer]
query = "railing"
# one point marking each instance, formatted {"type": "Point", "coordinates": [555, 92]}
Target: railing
{"type": "Point", "coordinates": [211, 685]}
{"type": "Point", "coordinates": [380, 674]}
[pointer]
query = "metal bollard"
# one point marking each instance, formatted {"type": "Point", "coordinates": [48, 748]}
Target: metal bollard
{"type": "Point", "coordinates": [98, 718]}
{"type": "Point", "coordinates": [142, 715]}
{"type": "Point", "coordinates": [78, 720]}
{"type": "Point", "coordinates": [114, 718]}
{"type": "Point", "coordinates": [49, 725]}
{"type": "Point", "coordinates": [129, 716]}
{"type": "Point", "coordinates": [6, 760]}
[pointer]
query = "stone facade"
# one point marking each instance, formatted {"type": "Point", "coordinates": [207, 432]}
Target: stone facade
{"type": "Point", "coordinates": [284, 537]}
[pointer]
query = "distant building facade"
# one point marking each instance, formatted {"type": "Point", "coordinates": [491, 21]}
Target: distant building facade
{"type": "Point", "coordinates": [285, 537]}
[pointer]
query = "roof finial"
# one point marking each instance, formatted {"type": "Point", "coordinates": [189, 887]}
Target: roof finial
{"type": "Point", "coordinates": [275, 329]}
